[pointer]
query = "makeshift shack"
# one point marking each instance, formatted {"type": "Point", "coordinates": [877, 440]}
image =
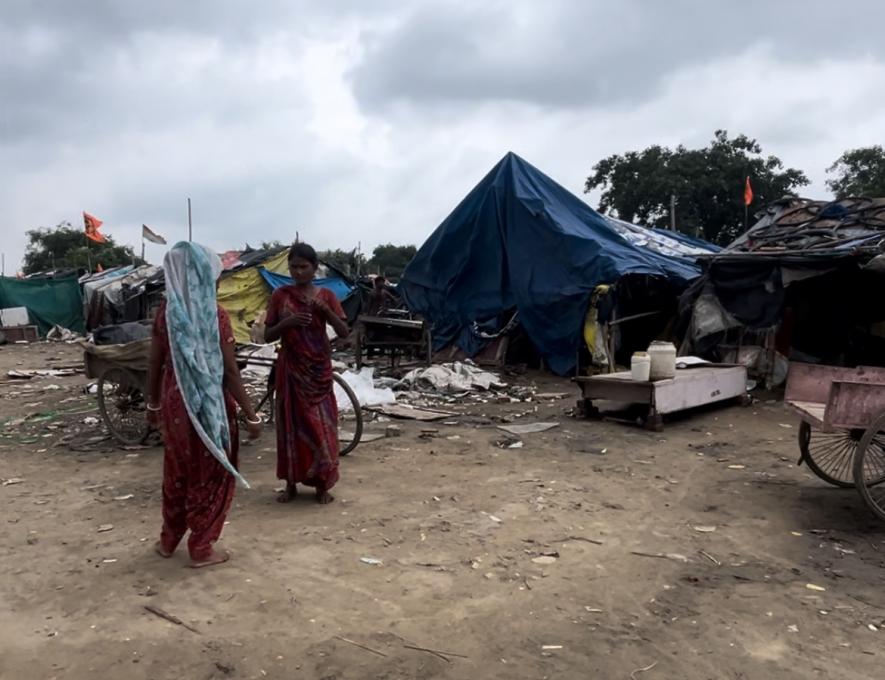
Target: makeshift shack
{"type": "Point", "coordinates": [522, 249]}
{"type": "Point", "coordinates": [245, 289]}
{"type": "Point", "coordinates": [804, 284]}
{"type": "Point", "coordinates": [50, 300]}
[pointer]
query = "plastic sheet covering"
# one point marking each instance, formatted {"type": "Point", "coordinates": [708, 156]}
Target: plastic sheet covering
{"type": "Point", "coordinates": [455, 377]}
{"type": "Point", "coordinates": [363, 386]}
{"type": "Point", "coordinates": [50, 302]}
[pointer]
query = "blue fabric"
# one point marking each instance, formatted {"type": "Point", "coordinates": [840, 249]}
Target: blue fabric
{"type": "Point", "coordinates": [338, 286]}
{"type": "Point", "coordinates": [520, 240]}
{"type": "Point", "coordinates": [192, 323]}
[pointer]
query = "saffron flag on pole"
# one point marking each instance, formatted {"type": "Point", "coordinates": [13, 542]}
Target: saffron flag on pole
{"type": "Point", "coordinates": [748, 192]}
{"type": "Point", "coordinates": [92, 225]}
{"type": "Point", "coordinates": [149, 235]}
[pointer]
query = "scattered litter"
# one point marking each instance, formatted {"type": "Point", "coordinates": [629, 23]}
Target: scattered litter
{"type": "Point", "coordinates": [360, 645]}
{"type": "Point", "coordinates": [109, 560]}
{"type": "Point", "coordinates": [548, 648]}
{"type": "Point", "coordinates": [393, 431]}
{"type": "Point", "coordinates": [12, 480]}
{"type": "Point", "coordinates": [551, 396]}
{"type": "Point", "coordinates": [664, 556]}
{"type": "Point", "coordinates": [786, 426]}
{"type": "Point", "coordinates": [363, 386]}
{"type": "Point", "coordinates": [704, 529]}
{"type": "Point", "coordinates": [710, 557]}
{"type": "Point", "coordinates": [544, 559]}
{"type": "Point", "coordinates": [44, 373]}
{"type": "Point", "coordinates": [124, 498]}
{"type": "Point", "coordinates": [455, 377]}
{"type": "Point", "coordinates": [406, 412]}
{"type": "Point", "coordinates": [642, 670]}
{"type": "Point", "coordinates": [496, 520]}
{"type": "Point", "coordinates": [528, 428]}
{"type": "Point", "coordinates": [90, 420]}
{"type": "Point", "coordinates": [796, 533]}
{"type": "Point", "coordinates": [793, 628]}
{"type": "Point", "coordinates": [156, 611]}
{"type": "Point", "coordinates": [872, 627]}
{"type": "Point", "coordinates": [593, 610]}
{"type": "Point", "coordinates": [371, 561]}
{"type": "Point", "coordinates": [105, 527]}
{"type": "Point", "coordinates": [509, 443]}
{"type": "Point", "coordinates": [811, 586]}
{"type": "Point", "coordinates": [737, 467]}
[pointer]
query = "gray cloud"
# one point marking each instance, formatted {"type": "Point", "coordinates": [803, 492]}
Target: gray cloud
{"type": "Point", "coordinates": [367, 122]}
{"type": "Point", "coordinates": [565, 53]}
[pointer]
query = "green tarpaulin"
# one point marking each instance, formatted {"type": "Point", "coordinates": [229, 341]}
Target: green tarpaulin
{"type": "Point", "coordinates": [50, 302]}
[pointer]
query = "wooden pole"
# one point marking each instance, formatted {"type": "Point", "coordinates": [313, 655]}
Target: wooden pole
{"type": "Point", "coordinates": [190, 224]}
{"type": "Point", "coordinates": [672, 212]}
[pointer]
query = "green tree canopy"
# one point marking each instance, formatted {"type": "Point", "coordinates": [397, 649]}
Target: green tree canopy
{"type": "Point", "coordinates": [391, 260]}
{"type": "Point", "coordinates": [67, 247]}
{"type": "Point", "coordinates": [349, 262]}
{"type": "Point", "coordinates": [708, 184]}
{"type": "Point", "coordinates": [859, 172]}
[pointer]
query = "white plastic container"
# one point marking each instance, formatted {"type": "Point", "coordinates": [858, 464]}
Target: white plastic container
{"type": "Point", "coordinates": [663, 360]}
{"type": "Point", "coordinates": [640, 366]}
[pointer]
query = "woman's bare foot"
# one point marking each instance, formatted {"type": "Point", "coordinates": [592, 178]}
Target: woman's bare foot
{"type": "Point", "coordinates": [158, 548]}
{"type": "Point", "coordinates": [215, 557]}
{"type": "Point", "coordinates": [288, 494]}
{"type": "Point", "coordinates": [324, 497]}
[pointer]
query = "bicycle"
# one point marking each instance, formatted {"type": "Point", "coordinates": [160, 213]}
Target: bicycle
{"type": "Point", "coordinates": [346, 417]}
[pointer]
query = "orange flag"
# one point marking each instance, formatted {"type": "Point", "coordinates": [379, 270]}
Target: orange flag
{"type": "Point", "coordinates": [92, 224]}
{"type": "Point", "coordinates": [748, 192]}
{"type": "Point", "coordinates": [99, 268]}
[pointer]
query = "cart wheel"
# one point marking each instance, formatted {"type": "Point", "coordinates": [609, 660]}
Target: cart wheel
{"type": "Point", "coordinates": [829, 455]}
{"type": "Point", "coordinates": [869, 467]}
{"type": "Point", "coordinates": [122, 407]}
{"type": "Point", "coordinates": [350, 421]}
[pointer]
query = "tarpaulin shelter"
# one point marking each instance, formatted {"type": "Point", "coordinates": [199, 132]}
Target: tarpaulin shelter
{"type": "Point", "coordinates": [521, 241]}
{"type": "Point", "coordinates": [802, 282]}
{"type": "Point", "coordinates": [50, 301]}
{"type": "Point", "coordinates": [244, 291]}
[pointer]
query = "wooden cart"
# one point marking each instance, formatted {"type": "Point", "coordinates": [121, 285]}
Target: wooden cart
{"type": "Point", "coordinates": [692, 387]}
{"type": "Point", "coordinates": [121, 372]}
{"type": "Point", "coordinates": [842, 433]}
{"type": "Point", "coordinates": [393, 337]}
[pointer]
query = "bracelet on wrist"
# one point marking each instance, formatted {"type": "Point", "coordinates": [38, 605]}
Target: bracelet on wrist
{"type": "Point", "coordinates": [257, 420]}
{"type": "Point", "coordinates": [154, 408]}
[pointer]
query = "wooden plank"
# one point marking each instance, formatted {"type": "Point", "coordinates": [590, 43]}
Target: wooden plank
{"type": "Point", "coordinates": [854, 405]}
{"type": "Point", "coordinates": [811, 382]}
{"type": "Point", "coordinates": [699, 387]}
{"type": "Point", "coordinates": [810, 411]}
{"type": "Point", "coordinates": [409, 413]}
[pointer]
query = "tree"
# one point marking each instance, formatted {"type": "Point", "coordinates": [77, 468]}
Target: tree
{"type": "Point", "coordinates": [708, 184]}
{"type": "Point", "coordinates": [860, 172]}
{"type": "Point", "coordinates": [391, 260]}
{"type": "Point", "coordinates": [67, 247]}
{"type": "Point", "coordinates": [349, 262]}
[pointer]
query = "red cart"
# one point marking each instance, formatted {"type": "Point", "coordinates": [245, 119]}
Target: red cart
{"type": "Point", "coordinates": [842, 434]}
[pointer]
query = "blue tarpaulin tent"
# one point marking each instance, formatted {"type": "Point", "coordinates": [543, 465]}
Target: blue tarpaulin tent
{"type": "Point", "coordinates": [520, 240]}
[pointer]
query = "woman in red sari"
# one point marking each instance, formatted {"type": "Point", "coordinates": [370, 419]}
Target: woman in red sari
{"type": "Point", "coordinates": [194, 387]}
{"type": "Point", "coordinates": [307, 415]}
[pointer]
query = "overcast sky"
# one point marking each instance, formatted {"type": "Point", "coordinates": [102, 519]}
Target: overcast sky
{"type": "Point", "coordinates": [368, 122]}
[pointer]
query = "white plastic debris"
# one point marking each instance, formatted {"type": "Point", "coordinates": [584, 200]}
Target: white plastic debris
{"type": "Point", "coordinates": [455, 377]}
{"type": "Point", "coordinates": [363, 386]}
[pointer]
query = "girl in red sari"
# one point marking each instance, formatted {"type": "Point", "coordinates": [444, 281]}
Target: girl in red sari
{"type": "Point", "coordinates": [196, 336]}
{"type": "Point", "coordinates": [307, 415]}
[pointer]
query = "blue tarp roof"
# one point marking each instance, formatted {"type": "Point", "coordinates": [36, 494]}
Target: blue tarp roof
{"type": "Point", "coordinates": [338, 286]}
{"type": "Point", "coordinates": [520, 240]}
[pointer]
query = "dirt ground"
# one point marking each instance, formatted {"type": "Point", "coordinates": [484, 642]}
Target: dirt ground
{"type": "Point", "coordinates": [720, 591]}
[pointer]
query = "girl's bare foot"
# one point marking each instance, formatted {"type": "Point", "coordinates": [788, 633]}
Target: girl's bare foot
{"type": "Point", "coordinates": [158, 548]}
{"type": "Point", "coordinates": [288, 494]}
{"type": "Point", "coordinates": [324, 497]}
{"type": "Point", "coordinates": [215, 557]}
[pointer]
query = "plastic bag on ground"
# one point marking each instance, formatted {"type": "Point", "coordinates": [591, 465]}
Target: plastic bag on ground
{"type": "Point", "coordinates": [363, 386]}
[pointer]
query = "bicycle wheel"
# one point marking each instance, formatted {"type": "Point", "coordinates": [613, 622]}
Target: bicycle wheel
{"type": "Point", "coordinates": [348, 419]}
{"type": "Point", "coordinates": [829, 455]}
{"type": "Point", "coordinates": [122, 407]}
{"type": "Point", "coordinates": [869, 467]}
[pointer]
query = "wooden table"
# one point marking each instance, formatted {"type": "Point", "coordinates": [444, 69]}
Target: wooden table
{"type": "Point", "coordinates": [692, 387]}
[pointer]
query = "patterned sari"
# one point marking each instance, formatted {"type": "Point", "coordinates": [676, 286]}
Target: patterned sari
{"type": "Point", "coordinates": [307, 414]}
